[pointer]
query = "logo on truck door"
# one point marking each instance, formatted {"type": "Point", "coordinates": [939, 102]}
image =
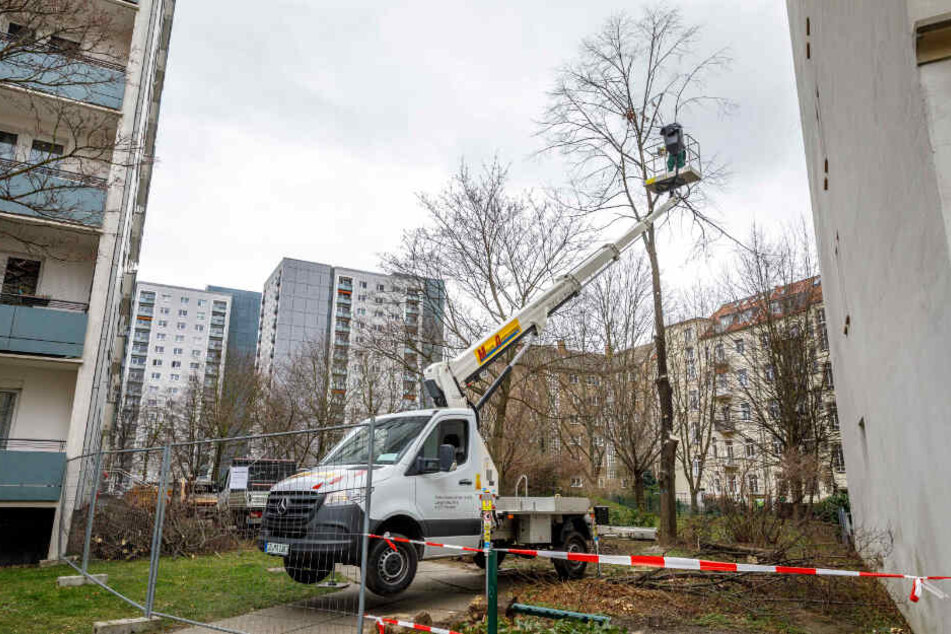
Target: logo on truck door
{"type": "Point", "coordinates": [497, 342]}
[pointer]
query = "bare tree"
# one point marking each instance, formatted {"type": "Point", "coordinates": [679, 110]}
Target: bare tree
{"type": "Point", "coordinates": [604, 114]}
{"type": "Point", "coordinates": [694, 378]}
{"type": "Point", "coordinates": [59, 56]}
{"type": "Point", "coordinates": [495, 251]}
{"type": "Point", "coordinates": [790, 379]}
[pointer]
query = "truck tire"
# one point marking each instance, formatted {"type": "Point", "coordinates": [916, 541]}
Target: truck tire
{"type": "Point", "coordinates": [303, 574]}
{"type": "Point", "coordinates": [479, 559]}
{"type": "Point", "coordinates": [573, 542]}
{"type": "Point", "coordinates": [390, 571]}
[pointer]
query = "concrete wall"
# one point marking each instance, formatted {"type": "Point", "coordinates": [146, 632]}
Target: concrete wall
{"type": "Point", "coordinates": [884, 253]}
{"type": "Point", "coordinates": [68, 258]}
{"type": "Point", "coordinates": [45, 396]}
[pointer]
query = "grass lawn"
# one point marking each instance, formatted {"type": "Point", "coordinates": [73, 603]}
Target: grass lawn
{"type": "Point", "coordinates": [205, 588]}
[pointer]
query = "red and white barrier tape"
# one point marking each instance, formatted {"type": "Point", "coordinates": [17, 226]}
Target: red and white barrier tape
{"type": "Point", "coordinates": [919, 582]}
{"type": "Point", "coordinates": [381, 624]}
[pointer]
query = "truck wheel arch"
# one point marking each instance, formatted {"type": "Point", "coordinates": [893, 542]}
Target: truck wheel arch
{"type": "Point", "coordinates": [405, 525]}
{"type": "Point", "coordinates": [572, 523]}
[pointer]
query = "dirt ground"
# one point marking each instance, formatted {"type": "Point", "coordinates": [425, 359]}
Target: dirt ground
{"type": "Point", "coordinates": [709, 602]}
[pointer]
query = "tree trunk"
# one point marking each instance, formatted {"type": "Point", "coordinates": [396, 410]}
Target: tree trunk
{"type": "Point", "coordinates": [639, 491]}
{"type": "Point", "coordinates": [694, 506]}
{"type": "Point", "coordinates": [667, 531]}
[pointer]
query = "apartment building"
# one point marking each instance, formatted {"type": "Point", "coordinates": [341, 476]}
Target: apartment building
{"type": "Point", "coordinates": [378, 331]}
{"type": "Point", "coordinates": [874, 83]}
{"type": "Point", "coordinates": [177, 347]}
{"type": "Point", "coordinates": [753, 390]}
{"type": "Point", "coordinates": [244, 322]}
{"type": "Point", "coordinates": [80, 85]}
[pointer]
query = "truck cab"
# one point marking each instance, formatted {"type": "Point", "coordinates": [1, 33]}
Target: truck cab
{"type": "Point", "coordinates": [429, 469]}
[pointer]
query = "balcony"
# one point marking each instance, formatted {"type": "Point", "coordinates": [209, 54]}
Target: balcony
{"type": "Point", "coordinates": [31, 470]}
{"type": "Point", "coordinates": [78, 78]}
{"type": "Point", "coordinates": [342, 327]}
{"type": "Point", "coordinates": [344, 300]}
{"type": "Point", "coordinates": [217, 321]}
{"type": "Point", "coordinates": [43, 326]}
{"type": "Point", "coordinates": [51, 194]}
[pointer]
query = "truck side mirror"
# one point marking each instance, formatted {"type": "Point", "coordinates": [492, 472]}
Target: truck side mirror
{"type": "Point", "coordinates": [447, 456]}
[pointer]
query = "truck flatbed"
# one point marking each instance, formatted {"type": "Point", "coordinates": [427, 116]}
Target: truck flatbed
{"type": "Point", "coordinates": [548, 505]}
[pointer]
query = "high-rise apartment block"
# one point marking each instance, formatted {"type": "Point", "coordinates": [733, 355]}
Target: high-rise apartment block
{"type": "Point", "coordinates": [374, 327]}
{"type": "Point", "coordinates": [178, 344]}
{"type": "Point", "coordinates": [874, 84]}
{"type": "Point", "coordinates": [244, 321]}
{"type": "Point", "coordinates": [80, 84]}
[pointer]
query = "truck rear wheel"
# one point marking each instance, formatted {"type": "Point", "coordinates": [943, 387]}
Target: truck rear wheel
{"type": "Point", "coordinates": [573, 542]}
{"type": "Point", "coordinates": [390, 571]}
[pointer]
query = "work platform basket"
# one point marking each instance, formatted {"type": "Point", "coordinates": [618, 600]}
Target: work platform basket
{"type": "Point", "coordinates": [667, 171]}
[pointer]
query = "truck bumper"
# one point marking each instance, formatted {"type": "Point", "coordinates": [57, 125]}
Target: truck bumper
{"type": "Point", "coordinates": [333, 535]}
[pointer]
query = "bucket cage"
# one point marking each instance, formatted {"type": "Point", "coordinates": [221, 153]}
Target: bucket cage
{"type": "Point", "coordinates": [667, 171]}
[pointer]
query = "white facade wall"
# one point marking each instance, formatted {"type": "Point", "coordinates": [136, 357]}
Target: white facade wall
{"type": "Point", "coordinates": [882, 221]}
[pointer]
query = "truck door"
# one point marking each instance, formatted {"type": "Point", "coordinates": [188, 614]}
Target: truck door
{"type": "Point", "coordinates": [447, 501]}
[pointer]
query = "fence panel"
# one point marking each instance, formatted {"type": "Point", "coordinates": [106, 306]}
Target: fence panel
{"type": "Point", "coordinates": [193, 532]}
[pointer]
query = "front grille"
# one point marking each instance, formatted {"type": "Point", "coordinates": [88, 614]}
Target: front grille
{"type": "Point", "coordinates": [300, 507]}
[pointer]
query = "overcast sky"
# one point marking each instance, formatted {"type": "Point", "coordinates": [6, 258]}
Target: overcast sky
{"type": "Point", "coordinates": [305, 129]}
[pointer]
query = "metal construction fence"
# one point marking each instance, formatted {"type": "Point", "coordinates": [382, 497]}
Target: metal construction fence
{"type": "Point", "coordinates": [192, 531]}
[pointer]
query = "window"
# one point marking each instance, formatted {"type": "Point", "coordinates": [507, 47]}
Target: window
{"type": "Point", "coordinates": [164, 310]}
{"type": "Point", "coordinates": [182, 312]}
{"type": "Point", "coordinates": [592, 380]}
{"type": "Point", "coordinates": [8, 145]}
{"type": "Point", "coordinates": [156, 375]}
{"type": "Point", "coordinates": [363, 284]}
{"type": "Point", "coordinates": [176, 364]}
{"type": "Point", "coordinates": [838, 459]}
{"type": "Point", "coordinates": [200, 327]}
{"type": "Point", "coordinates": [159, 349]}
{"type": "Point", "coordinates": [162, 323]}
{"type": "Point", "coordinates": [729, 449]}
{"type": "Point", "coordinates": [750, 449]}
{"type": "Point", "coordinates": [720, 352]}
{"type": "Point", "coordinates": [173, 390]}
{"type": "Point", "coordinates": [696, 467]}
{"type": "Point", "coordinates": [176, 377]}
{"type": "Point", "coordinates": [378, 300]}
{"type": "Point", "coordinates": [694, 400]}
{"type": "Point", "coordinates": [740, 346]}
{"type": "Point", "coordinates": [8, 400]}
{"type": "Point", "coordinates": [832, 414]}
{"type": "Point", "coordinates": [166, 297]}
{"type": "Point", "coordinates": [717, 485]}
{"type": "Point", "coordinates": [202, 302]}
{"type": "Point", "coordinates": [156, 362]}
{"type": "Point", "coordinates": [184, 300]}
{"type": "Point", "coordinates": [774, 410]}
{"type": "Point", "coordinates": [153, 389]}
{"type": "Point", "coordinates": [42, 151]}
{"type": "Point", "coordinates": [447, 432]}
{"type": "Point", "coordinates": [713, 443]}
{"type": "Point", "coordinates": [19, 31]}
{"type": "Point", "coordinates": [827, 375]}
{"type": "Point", "coordinates": [753, 483]}
{"type": "Point", "coordinates": [63, 45]}
{"type": "Point", "coordinates": [572, 378]}
{"type": "Point", "coordinates": [181, 325]}
{"type": "Point", "coordinates": [745, 411]}
{"type": "Point", "coordinates": [21, 277]}
{"type": "Point", "coordinates": [688, 335]}
{"type": "Point", "coordinates": [194, 365]}
{"type": "Point", "coordinates": [160, 336]}
{"type": "Point", "coordinates": [691, 369]}
{"type": "Point", "coordinates": [379, 287]}
{"type": "Point", "coordinates": [576, 482]}
{"type": "Point", "coordinates": [742, 377]}
{"type": "Point", "coordinates": [362, 298]}
{"type": "Point", "coordinates": [690, 353]}
{"type": "Point", "coordinates": [770, 373]}
{"type": "Point", "coordinates": [196, 353]}
{"type": "Point", "coordinates": [361, 311]}
{"type": "Point", "coordinates": [201, 316]}
{"type": "Point", "coordinates": [721, 383]}
{"type": "Point", "coordinates": [179, 338]}
{"type": "Point", "coordinates": [732, 485]}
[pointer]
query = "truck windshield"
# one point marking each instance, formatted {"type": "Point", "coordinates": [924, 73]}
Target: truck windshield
{"type": "Point", "coordinates": [391, 438]}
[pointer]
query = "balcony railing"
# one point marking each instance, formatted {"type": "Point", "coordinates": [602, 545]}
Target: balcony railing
{"type": "Point", "coordinates": [51, 194]}
{"type": "Point", "coordinates": [42, 326]}
{"type": "Point", "coordinates": [31, 470]}
{"type": "Point", "coordinates": [73, 77]}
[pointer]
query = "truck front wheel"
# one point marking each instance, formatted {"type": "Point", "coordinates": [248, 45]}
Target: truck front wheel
{"type": "Point", "coordinates": [304, 574]}
{"type": "Point", "coordinates": [573, 542]}
{"type": "Point", "coordinates": [390, 571]}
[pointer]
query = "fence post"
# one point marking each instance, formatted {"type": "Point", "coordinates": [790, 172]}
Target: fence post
{"type": "Point", "coordinates": [157, 530]}
{"type": "Point", "coordinates": [361, 601]}
{"type": "Point", "coordinates": [92, 509]}
{"type": "Point", "coordinates": [491, 566]}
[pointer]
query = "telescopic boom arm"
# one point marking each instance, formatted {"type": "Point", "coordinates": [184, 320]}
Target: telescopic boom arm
{"type": "Point", "coordinates": [444, 380]}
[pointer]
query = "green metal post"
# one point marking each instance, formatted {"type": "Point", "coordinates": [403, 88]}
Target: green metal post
{"type": "Point", "coordinates": [492, 592]}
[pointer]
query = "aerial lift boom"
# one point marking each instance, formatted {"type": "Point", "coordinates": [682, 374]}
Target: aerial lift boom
{"type": "Point", "coordinates": [444, 380]}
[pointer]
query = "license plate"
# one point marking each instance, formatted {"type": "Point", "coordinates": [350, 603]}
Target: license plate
{"type": "Point", "coordinates": [276, 548]}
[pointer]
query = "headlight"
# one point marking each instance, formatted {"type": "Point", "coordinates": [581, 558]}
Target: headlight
{"type": "Point", "coordinates": [353, 496]}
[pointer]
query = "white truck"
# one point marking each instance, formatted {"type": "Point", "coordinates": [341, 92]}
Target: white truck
{"type": "Point", "coordinates": [430, 466]}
